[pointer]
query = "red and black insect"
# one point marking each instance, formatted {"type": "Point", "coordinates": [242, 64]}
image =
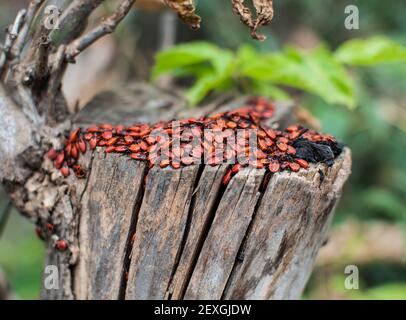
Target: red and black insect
{"type": "Point", "coordinates": [166, 145]}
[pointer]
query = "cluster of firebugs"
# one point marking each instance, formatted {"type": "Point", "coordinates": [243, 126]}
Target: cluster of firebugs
{"type": "Point", "coordinates": [238, 137]}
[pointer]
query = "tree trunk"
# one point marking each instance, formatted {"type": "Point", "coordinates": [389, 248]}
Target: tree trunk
{"type": "Point", "coordinates": [182, 234]}
{"type": "Point", "coordinates": [119, 237]}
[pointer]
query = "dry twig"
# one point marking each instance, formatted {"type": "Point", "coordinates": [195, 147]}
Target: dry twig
{"type": "Point", "coordinates": [12, 34]}
{"type": "Point", "coordinates": [32, 11]}
{"type": "Point", "coordinates": [106, 27]}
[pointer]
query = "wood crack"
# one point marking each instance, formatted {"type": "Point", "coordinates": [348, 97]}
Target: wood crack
{"type": "Point", "coordinates": [187, 228]}
{"type": "Point", "coordinates": [240, 254]}
{"type": "Point", "coordinates": [203, 236]}
{"type": "Point", "coordinates": [131, 233]}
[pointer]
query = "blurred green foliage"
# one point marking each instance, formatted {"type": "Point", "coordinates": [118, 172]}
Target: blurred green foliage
{"type": "Point", "coordinates": [387, 291]}
{"type": "Point", "coordinates": [319, 71]}
{"type": "Point", "coordinates": [378, 143]}
{"type": "Point", "coordinates": [21, 257]}
{"type": "Point", "coordinates": [371, 51]}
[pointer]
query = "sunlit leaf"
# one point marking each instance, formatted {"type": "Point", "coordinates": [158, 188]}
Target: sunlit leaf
{"type": "Point", "coordinates": [211, 66]}
{"type": "Point", "coordinates": [316, 72]}
{"type": "Point", "coordinates": [191, 54]}
{"type": "Point", "coordinates": [201, 88]}
{"type": "Point", "coordinates": [370, 51]}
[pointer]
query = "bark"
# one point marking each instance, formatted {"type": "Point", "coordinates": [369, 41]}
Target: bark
{"type": "Point", "coordinates": [183, 235]}
{"type": "Point", "coordinates": [33, 112]}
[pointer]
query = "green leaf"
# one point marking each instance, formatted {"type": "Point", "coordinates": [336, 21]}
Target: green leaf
{"type": "Point", "coordinates": [212, 67]}
{"type": "Point", "coordinates": [191, 54]}
{"type": "Point", "coordinates": [270, 91]}
{"type": "Point", "coordinates": [203, 85]}
{"type": "Point", "coordinates": [246, 55]}
{"type": "Point", "coordinates": [315, 72]}
{"type": "Point", "coordinates": [370, 51]}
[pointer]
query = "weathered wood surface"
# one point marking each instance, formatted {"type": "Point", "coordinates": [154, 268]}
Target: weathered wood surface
{"type": "Point", "coordinates": [185, 236]}
{"type": "Point", "coordinates": [287, 231]}
{"type": "Point", "coordinates": [220, 248]}
{"type": "Point", "coordinates": [206, 197]}
{"type": "Point", "coordinates": [113, 193]}
{"type": "Point", "coordinates": [160, 228]}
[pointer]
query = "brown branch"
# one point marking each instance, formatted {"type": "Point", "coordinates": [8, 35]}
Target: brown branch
{"type": "Point", "coordinates": [106, 27]}
{"type": "Point", "coordinates": [32, 11]}
{"type": "Point", "coordinates": [40, 68]}
{"type": "Point", "coordinates": [73, 21]}
{"type": "Point", "coordinates": [57, 71]}
{"type": "Point", "coordinates": [12, 34]}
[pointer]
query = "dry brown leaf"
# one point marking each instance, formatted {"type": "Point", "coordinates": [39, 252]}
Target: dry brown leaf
{"type": "Point", "coordinates": [243, 12]}
{"type": "Point", "coordinates": [186, 11]}
{"type": "Point", "coordinates": [264, 15]}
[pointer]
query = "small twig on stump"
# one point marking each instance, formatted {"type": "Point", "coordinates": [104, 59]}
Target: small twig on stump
{"type": "Point", "coordinates": [32, 10]}
{"type": "Point", "coordinates": [57, 71]}
{"type": "Point", "coordinates": [12, 34]}
{"type": "Point", "coordinates": [106, 27]}
{"type": "Point", "coordinates": [73, 20]}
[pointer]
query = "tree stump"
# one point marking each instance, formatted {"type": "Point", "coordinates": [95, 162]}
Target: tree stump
{"type": "Point", "coordinates": [184, 235]}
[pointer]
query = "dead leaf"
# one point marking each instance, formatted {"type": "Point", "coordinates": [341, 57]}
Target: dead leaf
{"type": "Point", "coordinates": [264, 15]}
{"type": "Point", "coordinates": [243, 12]}
{"type": "Point", "coordinates": [186, 11]}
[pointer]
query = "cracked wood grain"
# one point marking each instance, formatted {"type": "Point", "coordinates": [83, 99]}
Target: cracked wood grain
{"type": "Point", "coordinates": [287, 232]}
{"type": "Point", "coordinates": [220, 248]}
{"type": "Point", "coordinates": [206, 194]}
{"type": "Point", "coordinates": [160, 227]}
{"type": "Point", "coordinates": [107, 206]}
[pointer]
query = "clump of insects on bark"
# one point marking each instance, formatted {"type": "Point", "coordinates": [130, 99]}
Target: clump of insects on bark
{"type": "Point", "coordinates": [239, 137]}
